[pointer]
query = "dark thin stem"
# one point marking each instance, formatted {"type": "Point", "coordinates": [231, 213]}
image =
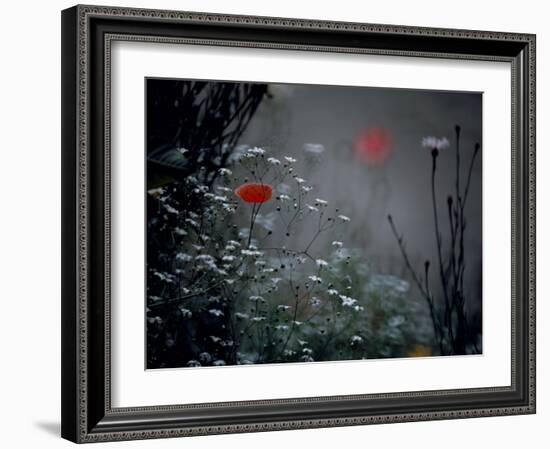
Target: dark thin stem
{"type": "Point", "coordinates": [438, 238]}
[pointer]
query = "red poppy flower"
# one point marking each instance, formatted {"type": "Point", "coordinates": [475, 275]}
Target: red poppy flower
{"type": "Point", "coordinates": [373, 146]}
{"type": "Point", "coordinates": [254, 193]}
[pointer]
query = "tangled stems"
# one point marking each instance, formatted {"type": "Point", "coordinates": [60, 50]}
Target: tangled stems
{"type": "Point", "coordinates": [449, 322]}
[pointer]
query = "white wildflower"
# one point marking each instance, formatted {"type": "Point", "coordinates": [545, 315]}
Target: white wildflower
{"type": "Point", "coordinates": [332, 292]}
{"type": "Point", "coordinates": [347, 301]}
{"type": "Point", "coordinates": [247, 252]}
{"type": "Point", "coordinates": [299, 180]}
{"type": "Point", "coordinates": [337, 244]}
{"type": "Point", "coordinates": [156, 192]}
{"type": "Point", "coordinates": [256, 298]}
{"type": "Point", "coordinates": [281, 327]}
{"type": "Point", "coordinates": [273, 161]}
{"type": "Point", "coordinates": [284, 197]}
{"type": "Point", "coordinates": [344, 218]}
{"type": "Point", "coordinates": [165, 277]}
{"type": "Point", "coordinates": [306, 188]}
{"type": "Point", "coordinates": [435, 142]}
{"type": "Point", "coordinates": [321, 263]}
{"type": "Point", "coordinates": [256, 151]}
{"type": "Point", "coordinates": [356, 339]}
{"type": "Point", "coordinates": [193, 363]}
{"type": "Point", "coordinates": [225, 171]}
{"type": "Point", "coordinates": [290, 160]}
{"type": "Point", "coordinates": [228, 258]}
{"type": "Point", "coordinates": [218, 363]}
{"type": "Point", "coordinates": [241, 316]}
{"type": "Point", "coordinates": [180, 231]}
{"type": "Point", "coordinates": [170, 209]}
{"type": "Point", "coordinates": [186, 313]}
{"type": "Point", "coordinates": [312, 208]}
{"type": "Point", "coordinates": [315, 279]}
{"type": "Point", "coordinates": [314, 301]}
{"type": "Point", "coordinates": [302, 342]}
{"type": "Point", "coordinates": [321, 202]}
{"type": "Point", "coordinates": [183, 257]}
{"type": "Point", "coordinates": [192, 222]}
{"type": "Point", "coordinates": [283, 307]}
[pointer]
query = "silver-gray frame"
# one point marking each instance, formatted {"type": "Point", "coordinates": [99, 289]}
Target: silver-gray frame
{"type": "Point", "coordinates": [87, 35]}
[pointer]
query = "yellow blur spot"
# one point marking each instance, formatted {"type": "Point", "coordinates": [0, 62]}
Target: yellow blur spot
{"type": "Point", "coordinates": [420, 351]}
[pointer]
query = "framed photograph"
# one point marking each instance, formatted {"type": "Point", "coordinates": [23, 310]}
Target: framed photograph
{"type": "Point", "coordinates": [283, 223]}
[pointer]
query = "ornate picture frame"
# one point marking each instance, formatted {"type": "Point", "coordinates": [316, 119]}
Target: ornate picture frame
{"type": "Point", "coordinates": [88, 33]}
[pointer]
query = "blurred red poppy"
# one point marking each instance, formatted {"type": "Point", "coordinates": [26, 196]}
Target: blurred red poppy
{"type": "Point", "coordinates": [254, 192]}
{"type": "Point", "coordinates": [373, 146]}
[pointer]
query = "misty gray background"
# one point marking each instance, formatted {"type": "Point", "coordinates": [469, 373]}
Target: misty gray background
{"type": "Point", "coordinates": [333, 116]}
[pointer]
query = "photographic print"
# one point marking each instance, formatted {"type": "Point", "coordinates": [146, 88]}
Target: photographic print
{"type": "Point", "coordinates": [310, 223]}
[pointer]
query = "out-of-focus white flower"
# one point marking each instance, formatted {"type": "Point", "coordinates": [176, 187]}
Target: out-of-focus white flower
{"type": "Point", "coordinates": [283, 307]}
{"type": "Point", "coordinates": [315, 279]}
{"type": "Point", "coordinates": [256, 150]}
{"type": "Point", "coordinates": [215, 312]}
{"type": "Point", "coordinates": [321, 202]}
{"type": "Point", "coordinates": [289, 159]}
{"type": "Point", "coordinates": [183, 257]}
{"type": "Point", "coordinates": [193, 363]}
{"type": "Point", "coordinates": [306, 188]}
{"type": "Point", "coordinates": [344, 218]}
{"type": "Point", "coordinates": [256, 298]}
{"type": "Point", "coordinates": [247, 252]}
{"type": "Point", "coordinates": [299, 180]}
{"type": "Point", "coordinates": [432, 142]}
{"type": "Point", "coordinates": [332, 292]}
{"type": "Point", "coordinates": [312, 208]}
{"type": "Point", "coordinates": [337, 244]}
{"type": "Point", "coordinates": [186, 313]}
{"type": "Point", "coordinates": [321, 263]}
{"type": "Point", "coordinates": [205, 357]}
{"type": "Point", "coordinates": [314, 301]}
{"type": "Point", "coordinates": [180, 231]}
{"type": "Point", "coordinates": [314, 148]}
{"type": "Point", "coordinates": [218, 363]}
{"type": "Point", "coordinates": [225, 171]}
{"type": "Point", "coordinates": [347, 301]}
{"type": "Point", "coordinates": [273, 161]}
{"type": "Point", "coordinates": [241, 316]}
{"type": "Point", "coordinates": [356, 339]}
{"type": "Point", "coordinates": [170, 209]}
